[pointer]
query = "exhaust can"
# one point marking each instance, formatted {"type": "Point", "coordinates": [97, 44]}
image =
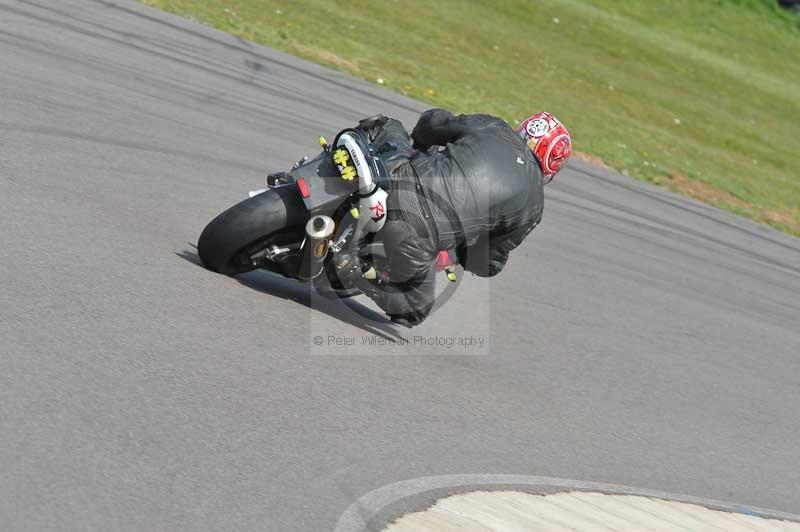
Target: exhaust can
{"type": "Point", "coordinates": [319, 231]}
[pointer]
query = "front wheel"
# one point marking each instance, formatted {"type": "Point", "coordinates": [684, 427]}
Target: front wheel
{"type": "Point", "coordinates": [226, 244]}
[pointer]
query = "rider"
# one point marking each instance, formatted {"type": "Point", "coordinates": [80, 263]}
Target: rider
{"type": "Point", "coordinates": [470, 184]}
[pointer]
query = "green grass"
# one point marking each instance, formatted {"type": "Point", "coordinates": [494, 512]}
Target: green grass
{"type": "Point", "coordinates": [702, 96]}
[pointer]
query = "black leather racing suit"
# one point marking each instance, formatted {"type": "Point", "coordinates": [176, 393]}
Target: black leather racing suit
{"type": "Point", "coordinates": [469, 184]}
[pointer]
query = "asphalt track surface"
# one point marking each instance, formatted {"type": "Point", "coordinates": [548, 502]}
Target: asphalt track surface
{"type": "Point", "coordinates": [636, 338]}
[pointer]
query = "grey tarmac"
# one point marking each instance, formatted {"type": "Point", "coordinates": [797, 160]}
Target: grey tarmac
{"type": "Point", "coordinates": [636, 338]}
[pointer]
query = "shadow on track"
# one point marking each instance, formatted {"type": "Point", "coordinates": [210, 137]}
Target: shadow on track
{"type": "Point", "coordinates": [345, 310]}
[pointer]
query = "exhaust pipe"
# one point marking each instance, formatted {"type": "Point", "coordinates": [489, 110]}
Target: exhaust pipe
{"type": "Point", "coordinates": [319, 231]}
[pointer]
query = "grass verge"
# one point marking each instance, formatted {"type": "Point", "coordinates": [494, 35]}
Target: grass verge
{"type": "Point", "coordinates": [700, 97]}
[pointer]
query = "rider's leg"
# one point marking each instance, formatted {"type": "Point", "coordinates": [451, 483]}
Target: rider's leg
{"type": "Point", "coordinates": [410, 256]}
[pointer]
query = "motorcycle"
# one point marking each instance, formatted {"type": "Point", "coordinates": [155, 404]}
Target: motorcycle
{"type": "Point", "coordinates": [317, 221]}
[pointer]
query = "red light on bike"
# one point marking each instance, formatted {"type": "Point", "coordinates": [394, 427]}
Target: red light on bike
{"type": "Point", "coordinates": [303, 187]}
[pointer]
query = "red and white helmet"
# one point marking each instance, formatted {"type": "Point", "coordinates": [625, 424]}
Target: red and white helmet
{"type": "Point", "coordinates": [549, 141]}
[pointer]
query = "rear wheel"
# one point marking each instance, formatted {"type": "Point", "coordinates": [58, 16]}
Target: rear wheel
{"type": "Point", "coordinates": [276, 216]}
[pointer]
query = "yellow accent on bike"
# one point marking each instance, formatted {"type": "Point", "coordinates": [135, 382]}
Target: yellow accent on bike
{"type": "Point", "coordinates": [451, 275]}
{"type": "Point", "coordinates": [322, 141]}
{"type": "Point", "coordinates": [348, 173]}
{"type": "Point", "coordinates": [371, 274]}
{"type": "Point", "coordinates": [341, 157]}
{"type": "Point", "coordinates": [354, 212]}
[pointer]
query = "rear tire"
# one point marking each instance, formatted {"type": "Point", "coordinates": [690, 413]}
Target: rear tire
{"type": "Point", "coordinates": [223, 242]}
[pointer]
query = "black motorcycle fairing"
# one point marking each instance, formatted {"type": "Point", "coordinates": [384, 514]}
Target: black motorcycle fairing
{"type": "Point", "coordinates": [326, 189]}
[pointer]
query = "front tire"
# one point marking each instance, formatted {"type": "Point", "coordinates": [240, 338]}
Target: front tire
{"type": "Point", "coordinates": [223, 244]}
